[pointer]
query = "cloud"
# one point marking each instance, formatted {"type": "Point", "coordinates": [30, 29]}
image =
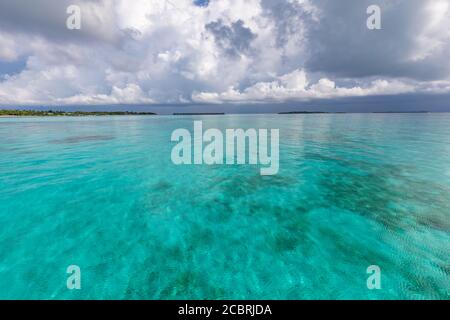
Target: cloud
{"type": "Point", "coordinates": [184, 51]}
{"type": "Point", "coordinates": [234, 39]}
{"type": "Point", "coordinates": [8, 50]}
{"type": "Point", "coordinates": [414, 41]}
{"type": "Point", "coordinates": [131, 94]}
{"type": "Point", "coordinates": [295, 86]}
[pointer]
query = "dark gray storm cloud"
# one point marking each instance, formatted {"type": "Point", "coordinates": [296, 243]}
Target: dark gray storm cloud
{"type": "Point", "coordinates": [293, 19]}
{"type": "Point", "coordinates": [234, 39]}
{"type": "Point", "coordinates": [408, 45]}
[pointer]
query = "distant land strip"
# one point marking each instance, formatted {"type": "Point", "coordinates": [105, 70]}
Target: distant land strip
{"type": "Point", "coordinates": [199, 114]}
{"type": "Point", "coordinates": [51, 113]}
{"type": "Point", "coordinates": [323, 112]}
{"type": "Point", "coordinates": [401, 112]}
{"type": "Point", "coordinates": [303, 112]}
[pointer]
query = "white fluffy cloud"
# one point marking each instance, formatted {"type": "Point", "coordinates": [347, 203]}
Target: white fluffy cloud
{"type": "Point", "coordinates": [8, 51]}
{"type": "Point", "coordinates": [295, 86]}
{"type": "Point", "coordinates": [161, 51]}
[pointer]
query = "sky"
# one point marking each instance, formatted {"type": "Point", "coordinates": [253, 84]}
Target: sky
{"type": "Point", "coordinates": [226, 54]}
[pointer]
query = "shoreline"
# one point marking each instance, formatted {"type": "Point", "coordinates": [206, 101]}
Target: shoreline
{"type": "Point", "coordinates": [74, 114]}
{"type": "Point", "coordinates": [51, 113]}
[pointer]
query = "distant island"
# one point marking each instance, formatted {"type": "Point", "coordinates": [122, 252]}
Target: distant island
{"type": "Point", "coordinates": [51, 113]}
{"type": "Point", "coordinates": [199, 114]}
{"type": "Point", "coordinates": [401, 112]}
{"type": "Point", "coordinates": [323, 112]}
{"type": "Point", "coordinates": [303, 112]}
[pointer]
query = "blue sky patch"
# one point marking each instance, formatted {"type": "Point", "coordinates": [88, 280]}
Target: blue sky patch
{"type": "Point", "coordinates": [201, 3]}
{"type": "Point", "coordinates": [11, 68]}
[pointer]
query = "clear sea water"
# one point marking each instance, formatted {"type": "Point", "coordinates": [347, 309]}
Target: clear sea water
{"type": "Point", "coordinates": [353, 190]}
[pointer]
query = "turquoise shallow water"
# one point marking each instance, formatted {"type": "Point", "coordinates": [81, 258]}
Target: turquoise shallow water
{"type": "Point", "coordinates": [103, 194]}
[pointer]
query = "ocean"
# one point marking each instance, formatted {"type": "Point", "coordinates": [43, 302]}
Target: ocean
{"type": "Point", "coordinates": [101, 193]}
